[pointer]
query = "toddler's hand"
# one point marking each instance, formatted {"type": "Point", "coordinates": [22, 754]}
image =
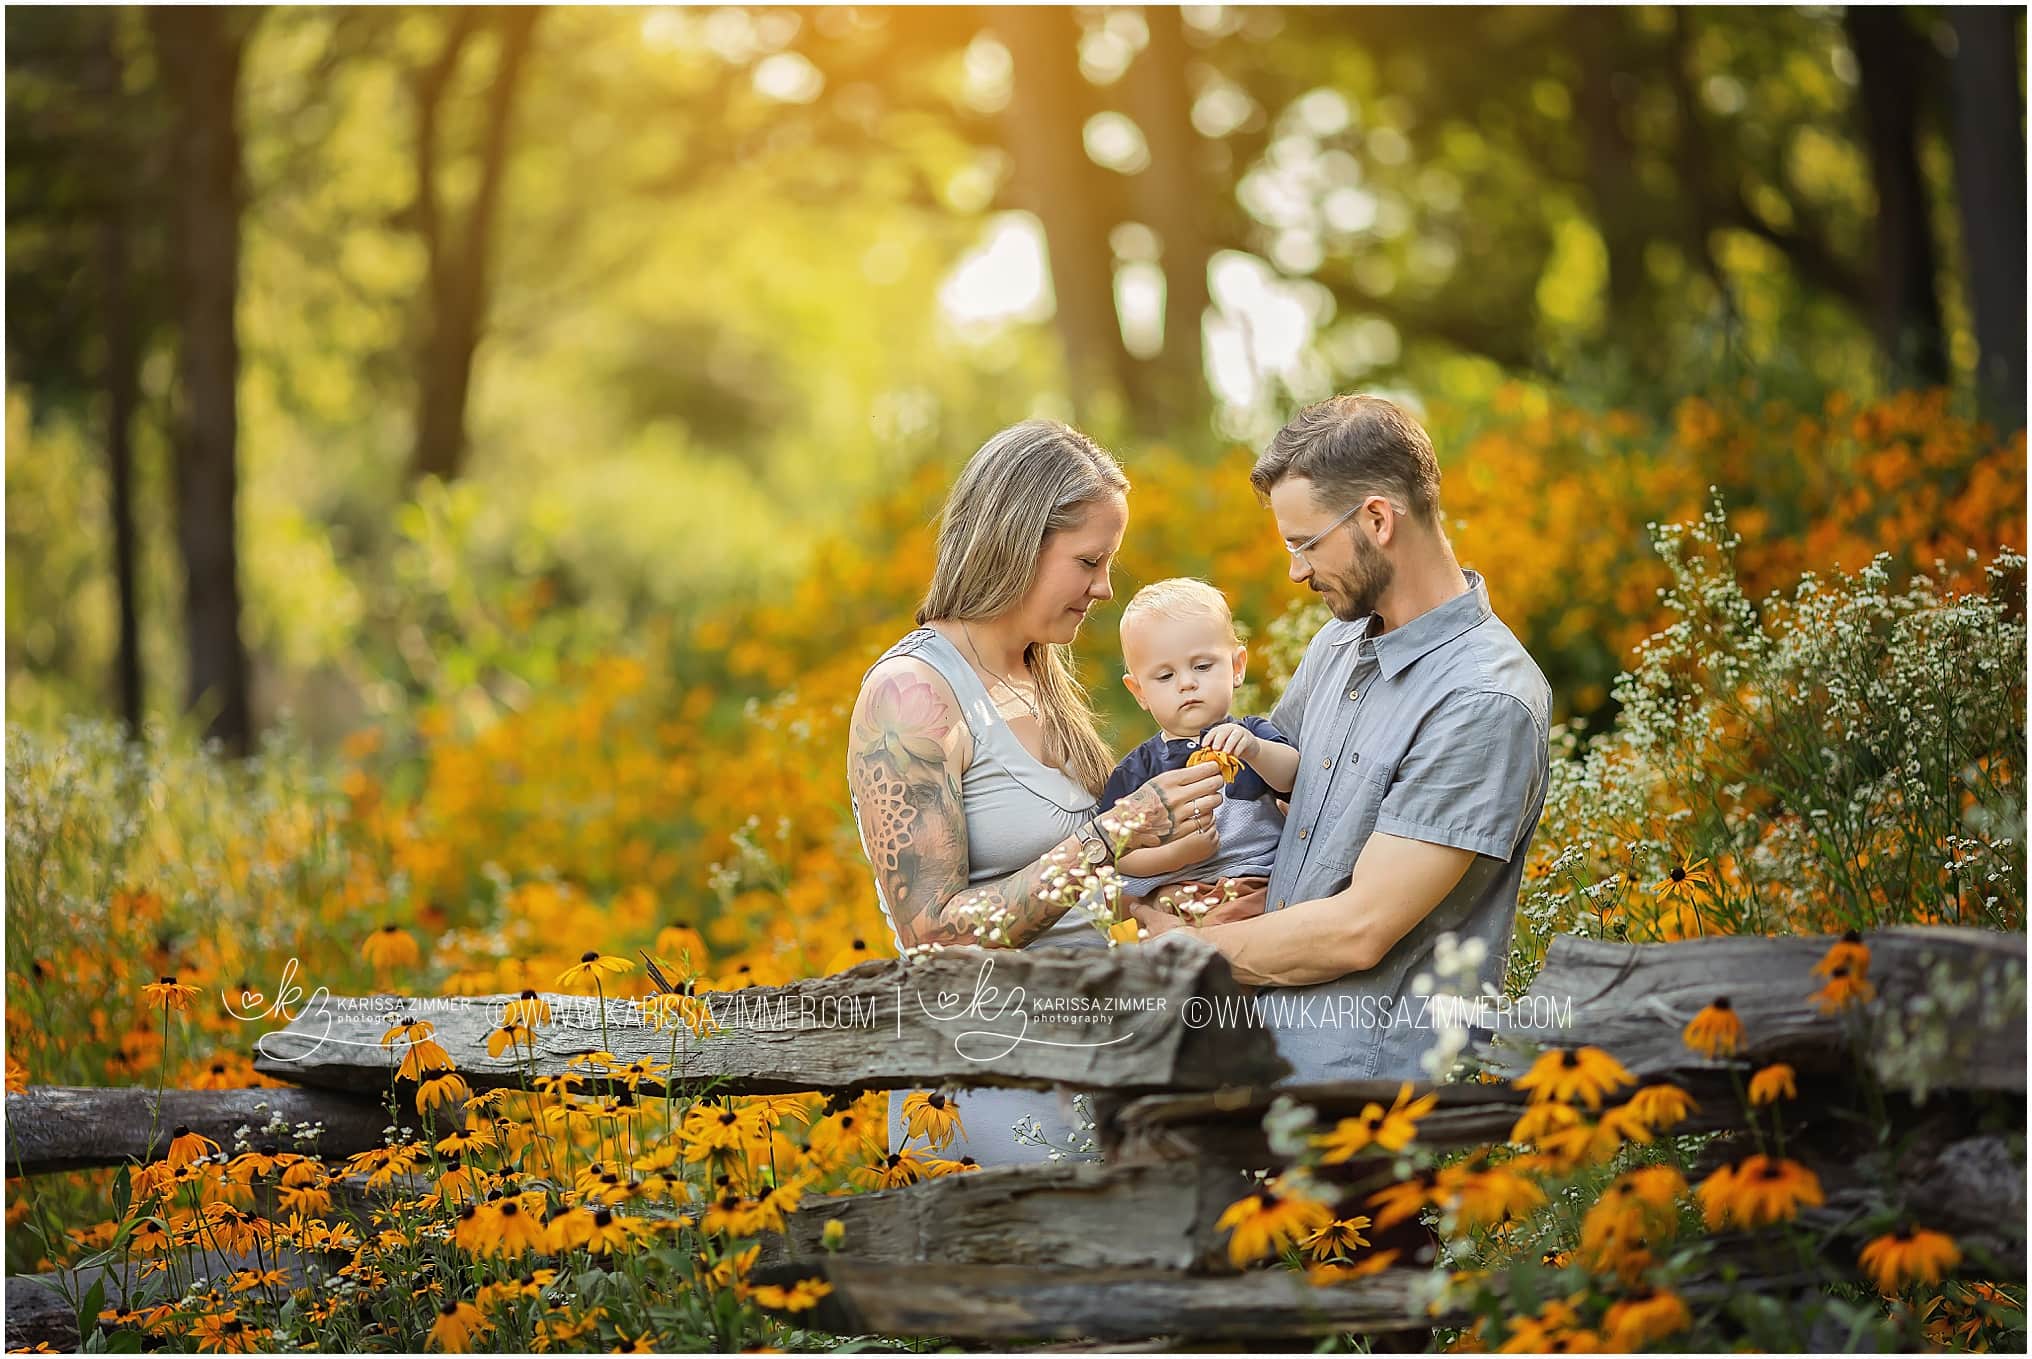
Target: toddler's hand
{"type": "Point", "coordinates": [1236, 739]}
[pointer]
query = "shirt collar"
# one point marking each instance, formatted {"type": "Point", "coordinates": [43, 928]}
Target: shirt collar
{"type": "Point", "coordinates": [1396, 649]}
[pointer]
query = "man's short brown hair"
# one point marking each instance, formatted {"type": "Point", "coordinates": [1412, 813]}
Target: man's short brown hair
{"type": "Point", "coordinates": [1350, 447]}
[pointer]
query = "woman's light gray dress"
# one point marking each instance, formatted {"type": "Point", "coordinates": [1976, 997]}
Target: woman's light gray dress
{"type": "Point", "coordinates": [1017, 807]}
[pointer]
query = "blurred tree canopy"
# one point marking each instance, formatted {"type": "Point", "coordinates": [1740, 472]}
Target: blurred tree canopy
{"type": "Point", "coordinates": [313, 310]}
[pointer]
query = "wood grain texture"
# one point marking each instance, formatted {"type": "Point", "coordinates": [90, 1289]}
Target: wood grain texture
{"type": "Point", "coordinates": [999, 1304]}
{"type": "Point", "coordinates": [54, 1127]}
{"type": "Point", "coordinates": [969, 1016]}
{"type": "Point", "coordinates": [1949, 1013]}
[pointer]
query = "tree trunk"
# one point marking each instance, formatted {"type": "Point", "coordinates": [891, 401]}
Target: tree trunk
{"type": "Point", "coordinates": [199, 52]}
{"type": "Point", "coordinates": [1891, 67]}
{"type": "Point", "coordinates": [1056, 180]}
{"type": "Point", "coordinates": [1621, 204]}
{"type": "Point", "coordinates": [459, 278]}
{"type": "Point", "coordinates": [1989, 173]}
{"type": "Point", "coordinates": [122, 375]}
{"type": "Point", "coordinates": [1171, 197]}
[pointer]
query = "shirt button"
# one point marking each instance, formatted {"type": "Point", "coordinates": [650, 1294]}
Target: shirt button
{"type": "Point", "coordinates": [1326, 763]}
{"type": "Point", "coordinates": [1280, 903]}
{"type": "Point", "coordinates": [1302, 834]}
{"type": "Point", "coordinates": [1354, 693]}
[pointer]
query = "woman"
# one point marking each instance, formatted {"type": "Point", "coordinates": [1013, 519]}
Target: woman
{"type": "Point", "coordinates": [973, 761]}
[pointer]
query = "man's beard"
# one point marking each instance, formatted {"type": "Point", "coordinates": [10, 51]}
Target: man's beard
{"type": "Point", "coordinates": [1354, 593]}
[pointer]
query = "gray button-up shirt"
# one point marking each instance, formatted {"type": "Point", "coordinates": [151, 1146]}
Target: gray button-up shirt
{"type": "Point", "coordinates": [1435, 730]}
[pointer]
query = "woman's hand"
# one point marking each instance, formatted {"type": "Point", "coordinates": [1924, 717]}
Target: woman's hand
{"type": "Point", "coordinates": [1175, 804]}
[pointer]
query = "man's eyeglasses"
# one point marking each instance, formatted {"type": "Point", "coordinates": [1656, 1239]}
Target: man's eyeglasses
{"type": "Point", "coordinates": [1298, 553]}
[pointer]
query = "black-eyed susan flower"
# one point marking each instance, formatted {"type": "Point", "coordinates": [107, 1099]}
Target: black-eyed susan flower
{"type": "Point", "coordinates": [457, 1326]}
{"type": "Point", "coordinates": [226, 1333]}
{"type": "Point", "coordinates": [1391, 1129]}
{"type": "Point", "coordinates": [591, 967]}
{"type": "Point", "coordinates": [1338, 1239]}
{"type": "Point", "coordinates": [1266, 1222]}
{"type": "Point", "coordinates": [1848, 953]}
{"type": "Point", "coordinates": [893, 1171]}
{"type": "Point", "coordinates": [1567, 1074]}
{"type": "Point", "coordinates": [934, 1117]}
{"type": "Point", "coordinates": [1538, 1120]}
{"type": "Point", "coordinates": [1592, 1141]}
{"type": "Point", "coordinates": [731, 1270]}
{"type": "Point", "coordinates": [169, 994]}
{"type": "Point", "coordinates": [1659, 1107]}
{"type": "Point", "coordinates": [853, 955]}
{"type": "Point", "coordinates": [390, 946]}
{"type": "Point", "coordinates": [1909, 1255]}
{"type": "Point", "coordinates": [798, 1297]}
{"type": "Point", "coordinates": [1487, 1196]}
{"type": "Point", "coordinates": [1394, 1203]}
{"type": "Point", "coordinates": [447, 1088]}
{"type": "Point", "coordinates": [149, 1237]}
{"type": "Point", "coordinates": [528, 1010]}
{"type": "Point", "coordinates": [1756, 1191]}
{"type": "Point", "coordinates": [1773, 1083]}
{"type": "Point", "coordinates": [1716, 1031]}
{"type": "Point", "coordinates": [1844, 987]}
{"type": "Point", "coordinates": [1327, 1273]}
{"type": "Point", "coordinates": [421, 1058]}
{"type": "Point", "coordinates": [508, 1228]}
{"type": "Point", "coordinates": [1555, 1328]}
{"type": "Point", "coordinates": [1648, 1315]}
{"type": "Point", "coordinates": [1685, 880]}
{"type": "Point", "coordinates": [186, 1146]}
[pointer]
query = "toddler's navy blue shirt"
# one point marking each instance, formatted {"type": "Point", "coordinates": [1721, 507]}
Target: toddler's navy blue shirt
{"type": "Point", "coordinates": [1161, 752]}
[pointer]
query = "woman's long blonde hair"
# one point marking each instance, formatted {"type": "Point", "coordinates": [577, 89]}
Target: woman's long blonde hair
{"type": "Point", "coordinates": [1026, 483]}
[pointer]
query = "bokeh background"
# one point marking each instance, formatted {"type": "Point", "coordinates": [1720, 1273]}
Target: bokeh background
{"type": "Point", "coordinates": [460, 464]}
{"type": "Point", "coordinates": [478, 451]}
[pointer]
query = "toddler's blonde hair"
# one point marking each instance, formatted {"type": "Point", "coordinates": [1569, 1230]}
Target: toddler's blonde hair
{"type": "Point", "coordinates": [1180, 597]}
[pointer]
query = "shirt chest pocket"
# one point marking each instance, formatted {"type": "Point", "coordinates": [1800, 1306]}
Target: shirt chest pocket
{"type": "Point", "coordinates": [1349, 817]}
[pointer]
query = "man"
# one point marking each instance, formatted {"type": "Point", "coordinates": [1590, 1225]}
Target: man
{"type": "Point", "coordinates": [1422, 727]}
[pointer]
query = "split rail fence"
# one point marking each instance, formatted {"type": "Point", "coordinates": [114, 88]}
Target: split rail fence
{"type": "Point", "coordinates": [1126, 1250]}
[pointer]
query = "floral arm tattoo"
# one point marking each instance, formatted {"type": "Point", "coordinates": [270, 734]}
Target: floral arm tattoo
{"type": "Point", "coordinates": [914, 828]}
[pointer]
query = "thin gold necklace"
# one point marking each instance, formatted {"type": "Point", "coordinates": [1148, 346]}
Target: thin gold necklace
{"type": "Point", "coordinates": [1003, 680]}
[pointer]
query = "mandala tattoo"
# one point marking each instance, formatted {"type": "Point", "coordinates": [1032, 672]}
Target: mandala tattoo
{"type": "Point", "coordinates": [913, 825]}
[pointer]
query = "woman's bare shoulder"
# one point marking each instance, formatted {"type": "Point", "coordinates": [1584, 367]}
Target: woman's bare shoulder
{"type": "Point", "coordinates": [905, 692]}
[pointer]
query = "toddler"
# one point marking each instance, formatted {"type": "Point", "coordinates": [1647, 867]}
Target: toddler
{"type": "Point", "coordinates": [1183, 662]}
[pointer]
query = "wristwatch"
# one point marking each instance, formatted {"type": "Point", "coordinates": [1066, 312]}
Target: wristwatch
{"type": "Point", "coordinates": [1095, 848]}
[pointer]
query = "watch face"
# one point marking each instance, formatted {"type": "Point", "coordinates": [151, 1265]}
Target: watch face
{"type": "Point", "coordinates": [1096, 851]}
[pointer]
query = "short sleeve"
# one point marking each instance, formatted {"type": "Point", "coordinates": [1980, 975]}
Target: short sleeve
{"type": "Point", "coordinates": [1267, 731]}
{"type": "Point", "coordinates": [1471, 776]}
{"type": "Point", "coordinates": [1290, 709]}
{"type": "Point", "coordinates": [1125, 780]}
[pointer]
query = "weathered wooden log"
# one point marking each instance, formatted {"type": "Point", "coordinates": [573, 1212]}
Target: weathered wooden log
{"type": "Point", "coordinates": [1001, 1304]}
{"type": "Point", "coordinates": [65, 1127]}
{"type": "Point", "coordinates": [1226, 1125]}
{"type": "Point", "coordinates": [1949, 1013]}
{"type": "Point", "coordinates": [966, 1016]}
{"type": "Point", "coordinates": [1066, 1216]}
{"type": "Point", "coordinates": [38, 1312]}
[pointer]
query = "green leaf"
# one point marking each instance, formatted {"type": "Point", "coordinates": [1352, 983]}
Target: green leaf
{"type": "Point", "coordinates": [123, 1192]}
